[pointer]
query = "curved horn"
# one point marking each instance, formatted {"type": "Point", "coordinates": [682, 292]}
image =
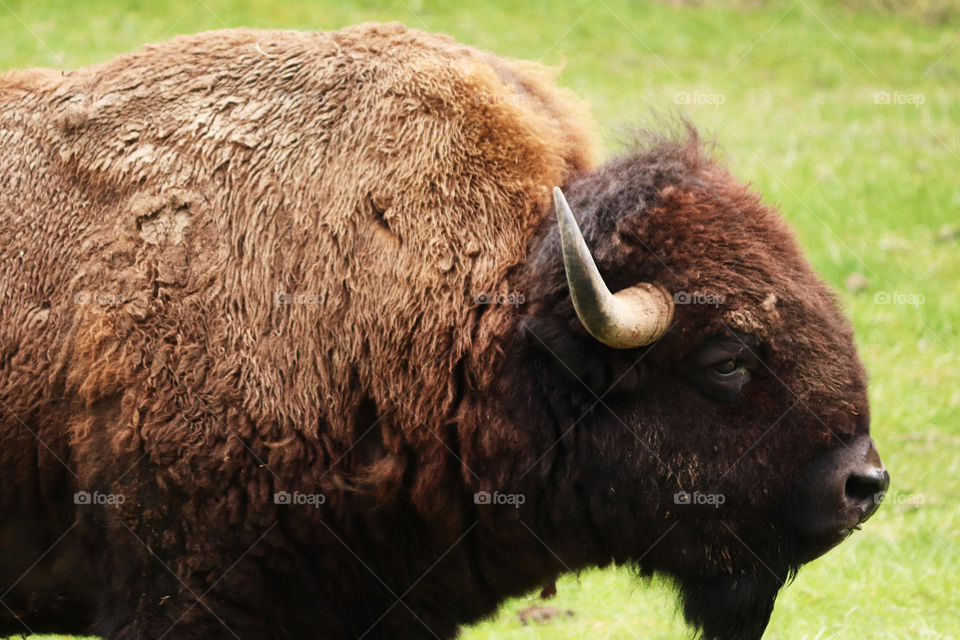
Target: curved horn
{"type": "Point", "coordinates": [634, 317]}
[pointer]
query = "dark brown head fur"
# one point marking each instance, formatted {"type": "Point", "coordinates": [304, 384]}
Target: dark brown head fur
{"type": "Point", "coordinates": [614, 436]}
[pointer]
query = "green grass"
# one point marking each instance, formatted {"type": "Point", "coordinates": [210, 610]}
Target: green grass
{"type": "Point", "coordinates": [871, 189]}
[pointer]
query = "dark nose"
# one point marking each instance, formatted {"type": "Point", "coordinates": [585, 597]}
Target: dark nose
{"type": "Point", "coordinates": [841, 489]}
{"type": "Point", "coordinates": [865, 488]}
{"type": "Point", "coordinates": [862, 477]}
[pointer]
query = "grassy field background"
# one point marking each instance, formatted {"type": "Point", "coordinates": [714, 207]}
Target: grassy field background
{"type": "Point", "coordinates": [844, 114]}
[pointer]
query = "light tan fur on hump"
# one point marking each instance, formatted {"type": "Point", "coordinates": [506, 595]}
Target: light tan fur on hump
{"type": "Point", "coordinates": [268, 228]}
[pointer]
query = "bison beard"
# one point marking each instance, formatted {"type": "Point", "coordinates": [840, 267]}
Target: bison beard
{"type": "Point", "coordinates": [245, 263]}
{"type": "Point", "coordinates": [738, 605]}
{"type": "Point", "coordinates": [731, 607]}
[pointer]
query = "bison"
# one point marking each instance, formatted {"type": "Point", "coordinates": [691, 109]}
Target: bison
{"type": "Point", "coordinates": [293, 346]}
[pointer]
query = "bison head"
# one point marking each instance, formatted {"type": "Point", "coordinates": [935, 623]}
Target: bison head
{"type": "Point", "coordinates": [708, 421]}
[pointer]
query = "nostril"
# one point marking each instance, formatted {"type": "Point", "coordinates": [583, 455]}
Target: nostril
{"type": "Point", "coordinates": [861, 488]}
{"type": "Point", "coordinates": [865, 490]}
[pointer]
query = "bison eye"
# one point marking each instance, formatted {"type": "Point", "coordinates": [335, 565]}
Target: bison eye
{"type": "Point", "coordinates": [726, 367]}
{"type": "Point", "coordinates": [721, 368]}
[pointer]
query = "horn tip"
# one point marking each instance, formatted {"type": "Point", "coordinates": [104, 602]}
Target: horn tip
{"type": "Point", "coordinates": [558, 197]}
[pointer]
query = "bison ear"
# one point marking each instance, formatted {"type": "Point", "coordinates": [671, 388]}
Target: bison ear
{"type": "Point", "coordinates": [565, 359]}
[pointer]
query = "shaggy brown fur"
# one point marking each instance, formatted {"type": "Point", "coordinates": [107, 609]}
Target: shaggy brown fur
{"type": "Point", "coordinates": [246, 262]}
